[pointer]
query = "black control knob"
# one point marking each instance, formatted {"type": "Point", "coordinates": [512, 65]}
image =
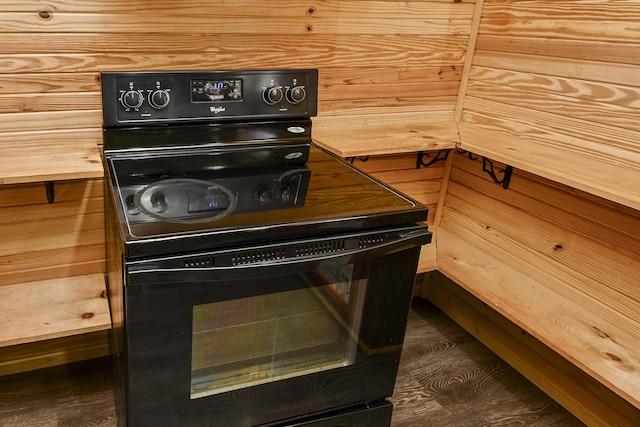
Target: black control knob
{"type": "Point", "coordinates": [131, 99]}
{"type": "Point", "coordinates": [272, 95]}
{"type": "Point", "coordinates": [296, 94]}
{"type": "Point", "coordinates": [159, 98]}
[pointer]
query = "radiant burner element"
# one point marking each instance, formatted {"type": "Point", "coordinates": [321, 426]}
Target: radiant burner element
{"type": "Point", "coordinates": [185, 200]}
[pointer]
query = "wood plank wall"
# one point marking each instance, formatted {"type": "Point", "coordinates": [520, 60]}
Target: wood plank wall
{"type": "Point", "coordinates": [399, 61]}
{"type": "Point", "coordinates": [567, 67]}
{"type": "Point", "coordinates": [45, 241]}
{"type": "Point", "coordinates": [559, 73]}
{"type": "Point", "coordinates": [563, 78]}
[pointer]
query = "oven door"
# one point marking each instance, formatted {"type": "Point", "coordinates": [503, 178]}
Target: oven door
{"type": "Point", "coordinates": [269, 333]}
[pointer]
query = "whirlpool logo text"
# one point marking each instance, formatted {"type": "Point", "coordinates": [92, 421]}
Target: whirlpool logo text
{"type": "Point", "coordinates": [216, 110]}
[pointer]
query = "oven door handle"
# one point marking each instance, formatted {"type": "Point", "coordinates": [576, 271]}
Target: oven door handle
{"type": "Point", "coordinates": [273, 259]}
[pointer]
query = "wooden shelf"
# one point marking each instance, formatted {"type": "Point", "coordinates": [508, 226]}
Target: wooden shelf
{"type": "Point", "coordinates": [49, 162]}
{"type": "Point", "coordinates": [604, 349]}
{"type": "Point", "coordinates": [371, 140]}
{"type": "Point", "coordinates": [613, 176]}
{"type": "Point", "coordinates": [35, 311]}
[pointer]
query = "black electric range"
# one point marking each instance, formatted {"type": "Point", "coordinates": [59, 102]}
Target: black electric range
{"type": "Point", "coordinates": [254, 279]}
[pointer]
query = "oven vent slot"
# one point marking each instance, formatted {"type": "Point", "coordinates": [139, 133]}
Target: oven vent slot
{"type": "Point", "coordinates": [252, 257]}
{"type": "Point", "coordinates": [367, 241]}
{"type": "Point", "coordinates": [320, 248]}
{"type": "Point", "coordinates": [198, 262]}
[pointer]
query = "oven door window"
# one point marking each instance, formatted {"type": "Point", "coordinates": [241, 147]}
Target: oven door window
{"type": "Point", "coordinates": [259, 339]}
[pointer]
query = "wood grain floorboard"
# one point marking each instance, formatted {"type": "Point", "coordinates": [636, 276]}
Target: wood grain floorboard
{"type": "Point", "coordinates": [447, 378]}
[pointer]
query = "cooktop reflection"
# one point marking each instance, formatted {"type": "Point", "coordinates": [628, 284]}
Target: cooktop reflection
{"type": "Point", "coordinates": [202, 196]}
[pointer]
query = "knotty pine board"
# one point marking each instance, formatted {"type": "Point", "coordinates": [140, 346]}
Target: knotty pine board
{"type": "Point", "coordinates": [568, 19]}
{"type": "Point", "coordinates": [291, 17]}
{"type": "Point", "coordinates": [555, 89]}
{"type": "Point", "coordinates": [35, 311]}
{"type": "Point", "coordinates": [606, 51]}
{"type": "Point", "coordinates": [520, 122]}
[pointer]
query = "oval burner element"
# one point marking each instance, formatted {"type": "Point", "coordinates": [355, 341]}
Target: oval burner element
{"type": "Point", "coordinates": [153, 168]}
{"type": "Point", "coordinates": [185, 201]}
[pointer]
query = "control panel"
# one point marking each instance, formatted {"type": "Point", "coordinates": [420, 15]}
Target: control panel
{"type": "Point", "coordinates": [134, 98]}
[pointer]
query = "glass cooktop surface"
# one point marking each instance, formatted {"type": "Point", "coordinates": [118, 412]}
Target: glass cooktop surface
{"type": "Point", "coordinates": [214, 198]}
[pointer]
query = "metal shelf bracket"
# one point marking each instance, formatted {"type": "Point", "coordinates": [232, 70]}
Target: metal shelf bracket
{"type": "Point", "coordinates": [441, 156]}
{"type": "Point", "coordinates": [51, 195]}
{"type": "Point", "coordinates": [353, 159]}
{"type": "Point", "coordinates": [488, 167]}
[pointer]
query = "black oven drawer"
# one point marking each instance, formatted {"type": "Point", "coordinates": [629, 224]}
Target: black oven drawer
{"type": "Point", "coordinates": [376, 415]}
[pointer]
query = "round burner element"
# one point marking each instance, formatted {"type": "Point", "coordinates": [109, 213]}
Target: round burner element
{"type": "Point", "coordinates": [185, 201]}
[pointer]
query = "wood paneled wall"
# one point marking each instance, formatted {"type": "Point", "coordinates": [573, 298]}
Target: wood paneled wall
{"type": "Point", "coordinates": [399, 62]}
{"type": "Point", "coordinates": [568, 68]}
{"type": "Point", "coordinates": [46, 241]}
{"type": "Point", "coordinates": [397, 59]}
{"type": "Point", "coordinates": [560, 81]}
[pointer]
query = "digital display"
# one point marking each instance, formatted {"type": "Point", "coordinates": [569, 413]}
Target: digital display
{"type": "Point", "coordinates": [219, 85]}
{"type": "Point", "coordinates": [216, 90]}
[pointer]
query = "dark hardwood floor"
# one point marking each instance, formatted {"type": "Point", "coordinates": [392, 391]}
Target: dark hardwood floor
{"type": "Point", "coordinates": [447, 378]}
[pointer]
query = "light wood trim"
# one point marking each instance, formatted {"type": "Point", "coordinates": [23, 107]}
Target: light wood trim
{"type": "Point", "coordinates": [428, 258]}
{"type": "Point", "coordinates": [444, 187]}
{"type": "Point", "coordinates": [468, 59]}
{"type": "Point", "coordinates": [47, 309]}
